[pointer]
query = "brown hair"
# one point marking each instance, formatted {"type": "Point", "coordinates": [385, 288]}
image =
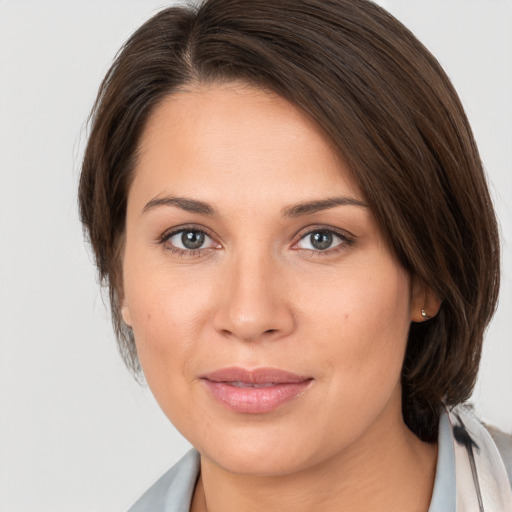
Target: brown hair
{"type": "Point", "coordinates": [389, 109]}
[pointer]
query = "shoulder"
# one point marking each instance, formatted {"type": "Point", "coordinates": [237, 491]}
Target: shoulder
{"type": "Point", "coordinates": [493, 448]}
{"type": "Point", "coordinates": [503, 442]}
{"type": "Point", "coordinates": [172, 492]}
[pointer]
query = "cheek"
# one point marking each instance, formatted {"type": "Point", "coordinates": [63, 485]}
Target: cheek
{"type": "Point", "coordinates": [165, 323]}
{"type": "Point", "coordinates": [377, 315]}
{"type": "Point", "coordinates": [363, 325]}
{"type": "Point", "coordinates": [166, 313]}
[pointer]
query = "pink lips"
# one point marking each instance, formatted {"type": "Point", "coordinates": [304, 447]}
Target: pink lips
{"type": "Point", "coordinates": [254, 391]}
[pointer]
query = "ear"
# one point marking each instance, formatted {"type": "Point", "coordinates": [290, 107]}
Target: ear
{"type": "Point", "coordinates": [425, 303]}
{"type": "Point", "coordinates": [125, 314]}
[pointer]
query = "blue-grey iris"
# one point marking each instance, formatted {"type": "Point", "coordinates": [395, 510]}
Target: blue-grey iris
{"type": "Point", "coordinates": [321, 240]}
{"type": "Point", "coordinates": [192, 239]}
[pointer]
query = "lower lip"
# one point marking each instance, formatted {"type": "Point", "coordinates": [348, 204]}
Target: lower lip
{"type": "Point", "coordinates": [251, 400]}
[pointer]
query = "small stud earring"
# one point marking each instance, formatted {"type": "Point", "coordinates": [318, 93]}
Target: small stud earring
{"type": "Point", "coordinates": [424, 315]}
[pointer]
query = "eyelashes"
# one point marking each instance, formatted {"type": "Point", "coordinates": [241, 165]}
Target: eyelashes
{"type": "Point", "coordinates": [193, 242]}
{"type": "Point", "coordinates": [188, 242]}
{"type": "Point", "coordinates": [322, 240]}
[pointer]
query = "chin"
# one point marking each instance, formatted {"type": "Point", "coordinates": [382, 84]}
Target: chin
{"type": "Point", "coordinates": [262, 463]}
{"type": "Point", "coordinates": [261, 452]}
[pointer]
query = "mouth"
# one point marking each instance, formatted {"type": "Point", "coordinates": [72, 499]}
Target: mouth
{"type": "Point", "coordinates": [239, 384]}
{"type": "Point", "coordinates": [254, 391]}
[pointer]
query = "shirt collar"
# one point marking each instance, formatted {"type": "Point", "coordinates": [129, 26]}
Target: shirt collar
{"type": "Point", "coordinates": [444, 495]}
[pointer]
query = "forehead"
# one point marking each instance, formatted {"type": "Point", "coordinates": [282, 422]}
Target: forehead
{"type": "Point", "coordinates": [236, 138]}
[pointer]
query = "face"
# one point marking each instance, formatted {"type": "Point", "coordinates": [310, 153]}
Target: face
{"type": "Point", "coordinates": [269, 315]}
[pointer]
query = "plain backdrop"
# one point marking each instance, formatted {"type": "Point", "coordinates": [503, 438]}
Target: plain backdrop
{"type": "Point", "coordinates": [76, 432]}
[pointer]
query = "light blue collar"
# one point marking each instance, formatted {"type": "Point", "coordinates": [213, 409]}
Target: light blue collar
{"type": "Point", "coordinates": [444, 495]}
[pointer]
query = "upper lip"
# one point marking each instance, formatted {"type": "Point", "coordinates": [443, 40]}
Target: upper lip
{"type": "Point", "coordinates": [255, 376]}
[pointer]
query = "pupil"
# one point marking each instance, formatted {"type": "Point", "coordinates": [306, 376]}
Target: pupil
{"type": "Point", "coordinates": [321, 240]}
{"type": "Point", "coordinates": [192, 239]}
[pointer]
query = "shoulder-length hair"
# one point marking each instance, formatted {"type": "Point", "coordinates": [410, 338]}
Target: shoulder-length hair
{"type": "Point", "coordinates": [388, 108]}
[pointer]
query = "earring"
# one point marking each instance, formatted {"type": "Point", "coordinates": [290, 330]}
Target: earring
{"type": "Point", "coordinates": [424, 315]}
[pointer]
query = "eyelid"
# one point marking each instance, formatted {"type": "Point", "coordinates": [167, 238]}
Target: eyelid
{"type": "Point", "coordinates": [209, 245]}
{"type": "Point", "coordinates": [346, 237]}
{"type": "Point", "coordinates": [168, 233]}
{"type": "Point", "coordinates": [164, 238]}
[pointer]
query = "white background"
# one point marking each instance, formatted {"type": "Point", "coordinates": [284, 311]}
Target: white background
{"type": "Point", "coordinates": [76, 433]}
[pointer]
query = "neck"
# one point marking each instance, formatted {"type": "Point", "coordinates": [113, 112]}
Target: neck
{"type": "Point", "coordinates": [385, 470]}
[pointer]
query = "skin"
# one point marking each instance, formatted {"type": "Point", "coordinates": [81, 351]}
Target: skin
{"type": "Point", "coordinates": [260, 294]}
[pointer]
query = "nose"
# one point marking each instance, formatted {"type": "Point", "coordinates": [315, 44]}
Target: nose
{"type": "Point", "coordinates": [253, 303]}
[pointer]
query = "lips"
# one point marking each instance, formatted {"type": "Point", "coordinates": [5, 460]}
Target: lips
{"type": "Point", "coordinates": [254, 391]}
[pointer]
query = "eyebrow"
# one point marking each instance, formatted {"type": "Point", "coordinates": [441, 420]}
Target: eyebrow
{"type": "Point", "coordinates": [296, 210]}
{"type": "Point", "coordinates": [184, 203]}
{"type": "Point", "coordinates": [310, 207]}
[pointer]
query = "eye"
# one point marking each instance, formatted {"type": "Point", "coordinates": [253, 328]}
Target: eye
{"type": "Point", "coordinates": [321, 240]}
{"type": "Point", "coordinates": [187, 240]}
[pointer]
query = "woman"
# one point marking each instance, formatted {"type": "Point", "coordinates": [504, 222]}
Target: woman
{"type": "Point", "coordinates": [288, 207]}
